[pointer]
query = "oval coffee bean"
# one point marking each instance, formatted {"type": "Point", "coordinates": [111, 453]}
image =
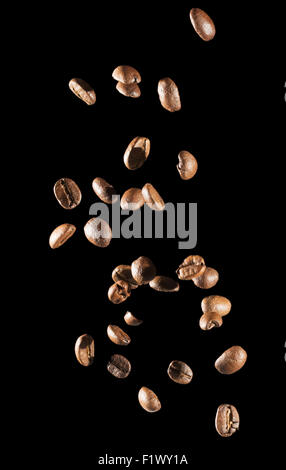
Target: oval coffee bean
{"type": "Point", "coordinates": [132, 91]}
{"type": "Point", "coordinates": [119, 292]}
{"type": "Point", "coordinates": [131, 320]}
{"type": "Point", "coordinates": [126, 74]}
{"type": "Point", "coordinates": [216, 303]}
{"type": "Point", "coordinates": [192, 267]}
{"type": "Point", "coordinates": [232, 360]}
{"type": "Point", "coordinates": [164, 284]}
{"type": "Point", "coordinates": [84, 350]}
{"type": "Point", "coordinates": [98, 232]}
{"type": "Point", "coordinates": [104, 191]}
{"type": "Point", "coordinates": [123, 273]}
{"type": "Point", "coordinates": [180, 372]}
{"type": "Point", "coordinates": [227, 420]}
{"type": "Point", "coordinates": [119, 366]}
{"type": "Point", "coordinates": [83, 90]}
{"type": "Point", "coordinates": [207, 280]}
{"type": "Point", "coordinates": [152, 198]}
{"type": "Point", "coordinates": [67, 193]}
{"type": "Point", "coordinates": [188, 165]}
{"type": "Point", "coordinates": [61, 234]}
{"type": "Point", "coordinates": [148, 400]}
{"type": "Point", "coordinates": [210, 320]}
{"type": "Point", "coordinates": [169, 95]}
{"type": "Point", "coordinates": [143, 270]}
{"type": "Point", "coordinates": [132, 199]}
{"type": "Point", "coordinates": [118, 336]}
{"type": "Point", "coordinates": [137, 153]}
{"type": "Point", "coordinates": [203, 24]}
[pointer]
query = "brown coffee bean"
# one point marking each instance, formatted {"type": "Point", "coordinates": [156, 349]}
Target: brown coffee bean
{"type": "Point", "coordinates": [180, 372]}
{"type": "Point", "coordinates": [123, 273]}
{"type": "Point", "coordinates": [119, 292]}
{"type": "Point", "coordinates": [227, 420]}
{"type": "Point", "coordinates": [203, 24]}
{"type": "Point", "coordinates": [169, 95]}
{"type": "Point", "coordinates": [137, 153]}
{"type": "Point", "coordinates": [207, 280]}
{"type": "Point", "coordinates": [148, 400]}
{"type": "Point", "coordinates": [132, 91]}
{"type": "Point", "coordinates": [119, 366]}
{"type": "Point", "coordinates": [188, 165]}
{"type": "Point", "coordinates": [67, 193]}
{"type": "Point", "coordinates": [83, 90]}
{"type": "Point", "coordinates": [132, 199]}
{"type": "Point", "coordinates": [84, 350]}
{"type": "Point", "coordinates": [143, 270]}
{"type": "Point", "coordinates": [126, 74]}
{"type": "Point", "coordinates": [131, 320]}
{"type": "Point", "coordinates": [61, 234]}
{"type": "Point", "coordinates": [210, 320]}
{"type": "Point", "coordinates": [98, 232]}
{"type": "Point", "coordinates": [217, 304]}
{"type": "Point", "coordinates": [192, 267]}
{"type": "Point", "coordinates": [118, 336]}
{"type": "Point", "coordinates": [104, 191]}
{"type": "Point", "coordinates": [152, 198]}
{"type": "Point", "coordinates": [232, 360]}
{"type": "Point", "coordinates": [164, 284]}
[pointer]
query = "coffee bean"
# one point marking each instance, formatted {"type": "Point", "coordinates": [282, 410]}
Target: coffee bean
{"type": "Point", "coordinates": [180, 372]}
{"type": "Point", "coordinates": [217, 304]}
{"type": "Point", "coordinates": [119, 366]}
{"type": "Point", "coordinates": [98, 232]}
{"type": "Point", "coordinates": [152, 198]}
{"type": "Point", "coordinates": [232, 360]}
{"type": "Point", "coordinates": [192, 267]}
{"type": "Point", "coordinates": [210, 320]}
{"type": "Point", "coordinates": [188, 165]}
{"type": "Point", "coordinates": [131, 320]}
{"type": "Point", "coordinates": [148, 400]}
{"type": "Point", "coordinates": [164, 284]}
{"type": "Point", "coordinates": [123, 273]}
{"type": "Point", "coordinates": [132, 91]}
{"type": "Point", "coordinates": [104, 191]}
{"type": "Point", "coordinates": [83, 90]}
{"type": "Point", "coordinates": [169, 95]}
{"type": "Point", "coordinates": [118, 336]}
{"type": "Point", "coordinates": [227, 420]}
{"type": "Point", "coordinates": [126, 74]}
{"type": "Point", "coordinates": [143, 270]}
{"type": "Point", "coordinates": [137, 153]}
{"type": "Point", "coordinates": [132, 199]}
{"type": "Point", "coordinates": [67, 193]}
{"type": "Point", "coordinates": [61, 234]}
{"type": "Point", "coordinates": [203, 24]}
{"type": "Point", "coordinates": [119, 292]}
{"type": "Point", "coordinates": [207, 280]}
{"type": "Point", "coordinates": [84, 350]}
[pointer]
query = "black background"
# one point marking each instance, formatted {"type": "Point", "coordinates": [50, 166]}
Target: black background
{"type": "Point", "coordinates": [227, 104]}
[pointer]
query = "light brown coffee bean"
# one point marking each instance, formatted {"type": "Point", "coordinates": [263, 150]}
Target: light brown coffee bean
{"type": "Point", "coordinates": [148, 400]}
{"type": "Point", "coordinates": [67, 193]}
{"type": "Point", "coordinates": [143, 270]}
{"type": "Point", "coordinates": [232, 360]}
{"type": "Point", "coordinates": [104, 191]}
{"type": "Point", "coordinates": [137, 153]}
{"type": "Point", "coordinates": [188, 165]}
{"type": "Point", "coordinates": [126, 74]}
{"type": "Point", "coordinates": [132, 91]}
{"type": "Point", "coordinates": [83, 90]}
{"type": "Point", "coordinates": [207, 280]}
{"type": "Point", "coordinates": [119, 292]}
{"type": "Point", "coordinates": [169, 95]}
{"type": "Point", "coordinates": [210, 320]}
{"type": "Point", "coordinates": [203, 24]}
{"type": "Point", "coordinates": [131, 320]}
{"type": "Point", "coordinates": [180, 372]}
{"type": "Point", "coordinates": [119, 366]}
{"type": "Point", "coordinates": [216, 303]}
{"type": "Point", "coordinates": [84, 350]}
{"type": "Point", "coordinates": [98, 232]}
{"type": "Point", "coordinates": [118, 336]}
{"type": "Point", "coordinates": [227, 420]}
{"type": "Point", "coordinates": [123, 273]}
{"type": "Point", "coordinates": [132, 199]}
{"type": "Point", "coordinates": [192, 267]}
{"type": "Point", "coordinates": [152, 198]}
{"type": "Point", "coordinates": [61, 234]}
{"type": "Point", "coordinates": [164, 284]}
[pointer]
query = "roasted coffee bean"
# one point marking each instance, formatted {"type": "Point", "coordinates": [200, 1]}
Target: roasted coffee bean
{"type": "Point", "coordinates": [180, 372]}
{"type": "Point", "coordinates": [192, 267]}
{"type": "Point", "coordinates": [126, 74]}
{"type": "Point", "coordinates": [67, 193]}
{"type": "Point", "coordinates": [188, 165]}
{"type": "Point", "coordinates": [104, 191]}
{"type": "Point", "coordinates": [119, 292]}
{"type": "Point", "coordinates": [148, 400]}
{"type": "Point", "coordinates": [207, 280]}
{"type": "Point", "coordinates": [227, 420]}
{"type": "Point", "coordinates": [143, 270]}
{"type": "Point", "coordinates": [210, 320]}
{"type": "Point", "coordinates": [83, 90]}
{"type": "Point", "coordinates": [232, 360]}
{"type": "Point", "coordinates": [152, 198]}
{"type": "Point", "coordinates": [123, 273]}
{"type": "Point", "coordinates": [203, 24]}
{"type": "Point", "coordinates": [119, 366]}
{"type": "Point", "coordinates": [169, 95]}
{"type": "Point", "coordinates": [132, 91]}
{"type": "Point", "coordinates": [137, 153]}
{"type": "Point", "coordinates": [84, 350]}
{"type": "Point", "coordinates": [164, 284]}
{"type": "Point", "coordinates": [132, 199]}
{"type": "Point", "coordinates": [217, 304]}
{"type": "Point", "coordinates": [118, 336]}
{"type": "Point", "coordinates": [98, 232]}
{"type": "Point", "coordinates": [131, 320]}
{"type": "Point", "coordinates": [61, 234]}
